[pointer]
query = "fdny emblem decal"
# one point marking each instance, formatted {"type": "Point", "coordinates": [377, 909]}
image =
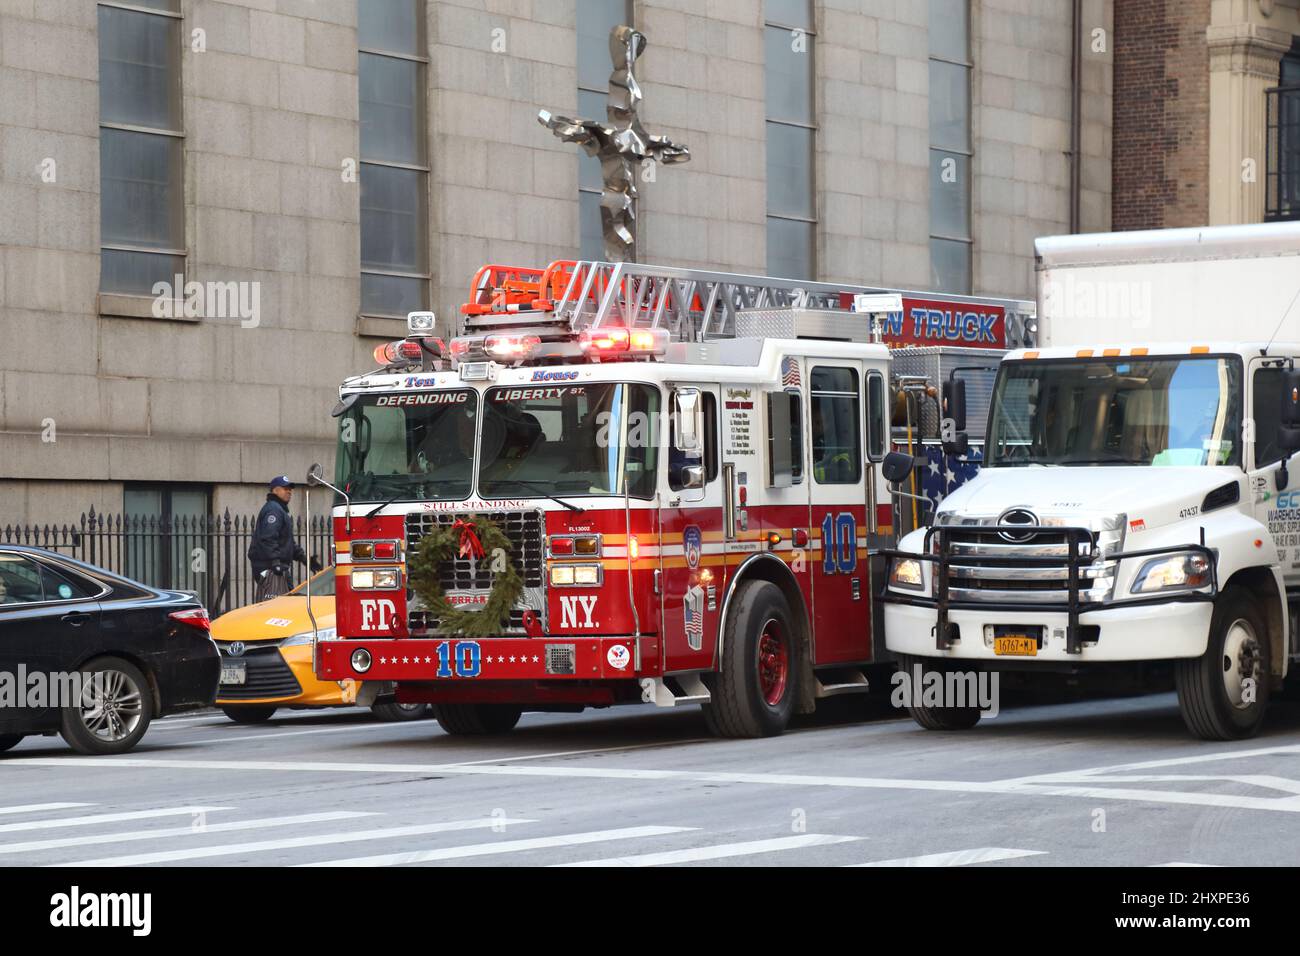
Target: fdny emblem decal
{"type": "Point", "coordinates": [692, 546]}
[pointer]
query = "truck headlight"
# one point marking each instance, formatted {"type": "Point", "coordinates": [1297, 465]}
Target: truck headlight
{"type": "Point", "coordinates": [1176, 572]}
{"type": "Point", "coordinates": [906, 573]}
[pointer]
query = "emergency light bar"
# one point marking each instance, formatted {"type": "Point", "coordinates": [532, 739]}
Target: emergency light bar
{"type": "Point", "coordinates": [613, 342]}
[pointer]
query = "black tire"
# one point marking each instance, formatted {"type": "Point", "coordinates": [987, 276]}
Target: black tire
{"type": "Point", "coordinates": [931, 717]}
{"type": "Point", "coordinates": [755, 691]}
{"type": "Point", "coordinates": [249, 713]}
{"type": "Point", "coordinates": [1210, 687]}
{"type": "Point", "coordinates": [115, 724]}
{"type": "Point", "coordinates": [477, 719]}
{"type": "Point", "coordinates": [393, 712]}
{"type": "Point", "coordinates": [10, 741]}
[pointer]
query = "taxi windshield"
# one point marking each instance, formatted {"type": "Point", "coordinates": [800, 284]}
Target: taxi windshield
{"type": "Point", "coordinates": [589, 439]}
{"type": "Point", "coordinates": [415, 446]}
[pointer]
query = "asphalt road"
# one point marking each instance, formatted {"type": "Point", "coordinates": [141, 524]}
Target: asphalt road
{"type": "Point", "coordinates": [1111, 782]}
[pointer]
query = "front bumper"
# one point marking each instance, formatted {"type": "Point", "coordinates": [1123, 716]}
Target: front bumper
{"type": "Point", "coordinates": [282, 676]}
{"type": "Point", "coordinates": [1144, 633]}
{"type": "Point", "coordinates": [455, 659]}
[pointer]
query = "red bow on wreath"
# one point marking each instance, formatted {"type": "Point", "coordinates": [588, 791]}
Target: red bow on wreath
{"type": "Point", "coordinates": [470, 545]}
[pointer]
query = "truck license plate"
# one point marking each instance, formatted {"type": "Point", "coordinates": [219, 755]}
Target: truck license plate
{"type": "Point", "coordinates": [234, 672]}
{"type": "Point", "coordinates": [1015, 646]}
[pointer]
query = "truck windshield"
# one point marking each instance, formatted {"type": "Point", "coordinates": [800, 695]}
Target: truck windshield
{"type": "Point", "coordinates": [590, 439]}
{"type": "Point", "coordinates": [416, 446]}
{"type": "Point", "coordinates": [1117, 411]}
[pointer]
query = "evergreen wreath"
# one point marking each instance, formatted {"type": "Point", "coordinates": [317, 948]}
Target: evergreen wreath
{"type": "Point", "coordinates": [478, 539]}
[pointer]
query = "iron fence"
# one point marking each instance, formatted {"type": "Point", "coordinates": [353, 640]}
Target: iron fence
{"type": "Point", "coordinates": [206, 554]}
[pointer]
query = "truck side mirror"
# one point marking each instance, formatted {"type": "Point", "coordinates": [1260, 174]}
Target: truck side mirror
{"type": "Point", "coordinates": [897, 466]}
{"type": "Point", "coordinates": [692, 476]}
{"type": "Point", "coordinates": [686, 403]}
{"type": "Point", "coordinates": [954, 402]}
{"type": "Point", "coordinates": [1289, 432]}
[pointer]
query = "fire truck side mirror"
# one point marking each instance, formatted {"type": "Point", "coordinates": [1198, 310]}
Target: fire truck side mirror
{"type": "Point", "coordinates": [692, 476]}
{"type": "Point", "coordinates": [686, 411]}
{"type": "Point", "coordinates": [954, 402]}
{"type": "Point", "coordinates": [897, 466]}
{"type": "Point", "coordinates": [314, 474]}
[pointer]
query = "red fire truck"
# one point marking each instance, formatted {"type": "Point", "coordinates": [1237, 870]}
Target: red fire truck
{"type": "Point", "coordinates": [684, 468]}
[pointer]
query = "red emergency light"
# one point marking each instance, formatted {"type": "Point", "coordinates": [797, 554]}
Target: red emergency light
{"type": "Point", "coordinates": [616, 341]}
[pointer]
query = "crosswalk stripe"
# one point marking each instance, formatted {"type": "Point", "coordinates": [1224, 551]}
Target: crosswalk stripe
{"type": "Point", "coordinates": [38, 807]}
{"type": "Point", "coordinates": [1180, 863]}
{"type": "Point", "coordinates": [719, 852]}
{"type": "Point", "coordinates": [986, 854]}
{"type": "Point", "coordinates": [502, 846]}
{"type": "Point", "coordinates": [131, 836]}
{"type": "Point", "coordinates": [262, 846]}
{"type": "Point", "coordinates": [95, 818]}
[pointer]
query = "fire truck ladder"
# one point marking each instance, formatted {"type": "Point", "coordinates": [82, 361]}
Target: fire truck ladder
{"type": "Point", "coordinates": [693, 305]}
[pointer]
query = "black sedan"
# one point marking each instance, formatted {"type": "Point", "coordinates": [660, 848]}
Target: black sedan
{"type": "Point", "coordinates": [95, 656]}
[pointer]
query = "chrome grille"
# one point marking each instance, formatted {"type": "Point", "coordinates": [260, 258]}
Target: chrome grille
{"type": "Point", "coordinates": [526, 532]}
{"type": "Point", "coordinates": [993, 576]}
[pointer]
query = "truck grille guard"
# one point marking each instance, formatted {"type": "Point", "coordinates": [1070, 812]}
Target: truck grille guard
{"type": "Point", "coordinates": [1072, 560]}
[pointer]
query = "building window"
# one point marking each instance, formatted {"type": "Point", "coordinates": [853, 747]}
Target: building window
{"type": "Point", "coordinates": [142, 196]}
{"type": "Point", "coordinates": [791, 139]}
{"type": "Point", "coordinates": [596, 18]}
{"type": "Point", "coordinates": [165, 538]}
{"type": "Point", "coordinates": [1282, 182]}
{"type": "Point", "coordinates": [391, 71]}
{"type": "Point", "coordinates": [950, 146]}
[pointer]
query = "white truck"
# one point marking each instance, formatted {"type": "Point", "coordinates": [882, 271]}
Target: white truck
{"type": "Point", "coordinates": [1135, 502]}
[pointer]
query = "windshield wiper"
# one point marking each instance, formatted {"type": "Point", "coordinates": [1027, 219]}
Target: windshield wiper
{"type": "Point", "coordinates": [378, 508]}
{"type": "Point", "coordinates": [540, 485]}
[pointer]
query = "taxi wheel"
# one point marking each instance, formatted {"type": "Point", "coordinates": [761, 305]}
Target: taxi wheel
{"type": "Point", "coordinates": [9, 741]}
{"type": "Point", "coordinates": [929, 716]}
{"type": "Point", "coordinates": [754, 691]}
{"type": "Point", "coordinates": [477, 719]}
{"type": "Point", "coordinates": [245, 714]}
{"type": "Point", "coordinates": [1223, 693]}
{"type": "Point", "coordinates": [391, 710]}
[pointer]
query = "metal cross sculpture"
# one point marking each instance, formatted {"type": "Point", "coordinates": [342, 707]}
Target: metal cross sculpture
{"type": "Point", "coordinates": [622, 145]}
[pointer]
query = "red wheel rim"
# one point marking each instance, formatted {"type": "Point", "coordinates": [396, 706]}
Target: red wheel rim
{"type": "Point", "coordinates": [773, 664]}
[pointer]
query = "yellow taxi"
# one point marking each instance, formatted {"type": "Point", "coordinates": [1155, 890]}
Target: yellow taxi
{"type": "Point", "coordinates": [266, 659]}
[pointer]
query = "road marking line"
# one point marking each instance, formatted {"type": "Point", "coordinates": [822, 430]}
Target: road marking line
{"type": "Point", "coordinates": [1262, 780]}
{"type": "Point", "coordinates": [1019, 787]}
{"type": "Point", "coordinates": [415, 724]}
{"type": "Point", "coordinates": [262, 846]}
{"type": "Point", "coordinates": [1177, 863]}
{"type": "Point", "coordinates": [504, 846]}
{"type": "Point", "coordinates": [986, 854]}
{"type": "Point", "coordinates": [134, 835]}
{"type": "Point", "coordinates": [37, 807]}
{"type": "Point", "coordinates": [720, 852]}
{"type": "Point", "coordinates": [106, 818]}
{"type": "Point", "coordinates": [577, 753]}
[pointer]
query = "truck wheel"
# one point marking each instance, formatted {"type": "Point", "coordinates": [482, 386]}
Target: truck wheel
{"type": "Point", "coordinates": [1212, 688]}
{"type": "Point", "coordinates": [392, 711]}
{"type": "Point", "coordinates": [929, 716]}
{"type": "Point", "coordinates": [755, 691]}
{"type": "Point", "coordinates": [477, 719]}
{"type": "Point", "coordinates": [248, 714]}
{"type": "Point", "coordinates": [10, 741]}
{"type": "Point", "coordinates": [114, 711]}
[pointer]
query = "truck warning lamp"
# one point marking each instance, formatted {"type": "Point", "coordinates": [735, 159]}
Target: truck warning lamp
{"type": "Point", "coordinates": [409, 351]}
{"type": "Point", "coordinates": [615, 342]}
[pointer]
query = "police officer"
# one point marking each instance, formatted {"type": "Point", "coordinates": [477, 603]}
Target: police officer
{"type": "Point", "coordinates": [273, 548]}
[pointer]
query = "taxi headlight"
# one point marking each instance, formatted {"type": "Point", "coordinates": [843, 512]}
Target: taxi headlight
{"type": "Point", "coordinates": [1189, 571]}
{"type": "Point", "coordinates": [326, 634]}
{"type": "Point", "coordinates": [906, 573]}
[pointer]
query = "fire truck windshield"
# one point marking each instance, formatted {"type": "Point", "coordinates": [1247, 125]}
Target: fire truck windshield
{"type": "Point", "coordinates": [415, 446]}
{"type": "Point", "coordinates": [1117, 411]}
{"type": "Point", "coordinates": [589, 439]}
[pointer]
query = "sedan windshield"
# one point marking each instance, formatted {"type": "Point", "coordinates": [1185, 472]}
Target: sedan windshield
{"type": "Point", "coordinates": [1117, 411]}
{"type": "Point", "coordinates": [591, 439]}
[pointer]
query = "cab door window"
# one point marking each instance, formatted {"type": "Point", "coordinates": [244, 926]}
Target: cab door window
{"type": "Point", "coordinates": [708, 439]}
{"type": "Point", "coordinates": [1267, 396]}
{"type": "Point", "coordinates": [836, 429]}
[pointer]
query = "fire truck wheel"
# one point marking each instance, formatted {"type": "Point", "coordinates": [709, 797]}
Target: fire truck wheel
{"type": "Point", "coordinates": [931, 717]}
{"type": "Point", "coordinates": [247, 714]}
{"type": "Point", "coordinates": [10, 741]}
{"type": "Point", "coordinates": [755, 691]}
{"type": "Point", "coordinates": [477, 719]}
{"type": "Point", "coordinates": [1223, 693]}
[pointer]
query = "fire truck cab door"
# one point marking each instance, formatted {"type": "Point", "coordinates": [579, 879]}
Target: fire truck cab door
{"type": "Point", "coordinates": [837, 476]}
{"type": "Point", "coordinates": [692, 571]}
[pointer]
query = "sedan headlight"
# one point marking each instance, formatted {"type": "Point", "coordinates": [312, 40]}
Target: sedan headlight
{"type": "Point", "coordinates": [906, 573]}
{"type": "Point", "coordinates": [1188, 571]}
{"type": "Point", "coordinates": [326, 634]}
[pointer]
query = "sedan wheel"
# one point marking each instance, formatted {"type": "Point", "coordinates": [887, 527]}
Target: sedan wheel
{"type": "Point", "coordinates": [114, 711]}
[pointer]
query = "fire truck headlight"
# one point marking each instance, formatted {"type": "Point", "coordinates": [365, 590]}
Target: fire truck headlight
{"type": "Point", "coordinates": [562, 575]}
{"type": "Point", "coordinates": [361, 660]}
{"type": "Point", "coordinates": [906, 573]}
{"type": "Point", "coordinates": [363, 580]}
{"type": "Point", "coordinates": [586, 574]}
{"type": "Point", "coordinates": [576, 575]}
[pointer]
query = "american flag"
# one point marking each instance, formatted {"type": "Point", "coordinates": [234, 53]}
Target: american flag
{"type": "Point", "coordinates": [693, 610]}
{"type": "Point", "coordinates": [944, 474]}
{"type": "Point", "coordinates": [790, 372]}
